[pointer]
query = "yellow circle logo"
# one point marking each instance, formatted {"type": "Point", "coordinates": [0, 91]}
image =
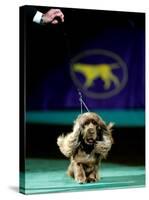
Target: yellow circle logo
{"type": "Point", "coordinates": [99, 73]}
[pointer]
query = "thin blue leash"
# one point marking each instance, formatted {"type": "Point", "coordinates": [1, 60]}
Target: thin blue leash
{"type": "Point", "coordinates": [82, 103]}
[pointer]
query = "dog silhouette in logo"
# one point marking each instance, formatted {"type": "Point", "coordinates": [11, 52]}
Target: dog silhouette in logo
{"type": "Point", "coordinates": [92, 72]}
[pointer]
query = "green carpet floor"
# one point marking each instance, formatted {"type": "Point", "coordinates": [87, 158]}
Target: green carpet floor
{"type": "Point", "coordinates": [45, 176]}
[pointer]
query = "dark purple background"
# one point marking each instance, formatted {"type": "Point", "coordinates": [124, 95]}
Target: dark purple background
{"type": "Point", "coordinates": [48, 81]}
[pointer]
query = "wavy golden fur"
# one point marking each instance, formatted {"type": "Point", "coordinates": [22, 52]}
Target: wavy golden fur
{"type": "Point", "coordinates": [88, 143]}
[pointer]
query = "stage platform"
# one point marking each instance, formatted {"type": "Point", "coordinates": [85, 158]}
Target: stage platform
{"type": "Point", "coordinates": [49, 175]}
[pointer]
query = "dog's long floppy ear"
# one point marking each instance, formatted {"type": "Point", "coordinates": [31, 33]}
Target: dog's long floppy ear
{"type": "Point", "coordinates": [110, 130]}
{"type": "Point", "coordinates": [77, 129]}
{"type": "Point", "coordinates": [110, 126]}
{"type": "Point", "coordinates": [99, 134]}
{"type": "Point", "coordinates": [104, 129]}
{"type": "Point", "coordinates": [70, 142]}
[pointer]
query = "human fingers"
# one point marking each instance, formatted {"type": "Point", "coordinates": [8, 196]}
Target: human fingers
{"type": "Point", "coordinates": [59, 15]}
{"type": "Point", "coordinates": [55, 12]}
{"type": "Point", "coordinates": [51, 16]}
{"type": "Point", "coordinates": [55, 21]}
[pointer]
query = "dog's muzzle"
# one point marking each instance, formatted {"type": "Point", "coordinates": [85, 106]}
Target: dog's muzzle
{"type": "Point", "coordinates": [90, 141]}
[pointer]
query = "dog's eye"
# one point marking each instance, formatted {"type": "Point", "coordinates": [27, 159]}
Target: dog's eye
{"type": "Point", "coordinates": [86, 123]}
{"type": "Point", "coordinates": [94, 122]}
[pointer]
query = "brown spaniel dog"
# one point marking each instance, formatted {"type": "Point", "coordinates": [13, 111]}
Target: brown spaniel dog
{"type": "Point", "coordinates": [88, 143]}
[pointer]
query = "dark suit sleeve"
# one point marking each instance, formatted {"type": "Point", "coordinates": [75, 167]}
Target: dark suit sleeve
{"type": "Point", "coordinates": [30, 12]}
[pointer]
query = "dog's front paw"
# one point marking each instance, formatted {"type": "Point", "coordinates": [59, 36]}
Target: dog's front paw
{"type": "Point", "coordinates": [80, 180]}
{"type": "Point", "coordinates": [92, 178]}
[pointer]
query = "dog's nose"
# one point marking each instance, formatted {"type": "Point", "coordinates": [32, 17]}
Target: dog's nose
{"type": "Point", "coordinates": [91, 130]}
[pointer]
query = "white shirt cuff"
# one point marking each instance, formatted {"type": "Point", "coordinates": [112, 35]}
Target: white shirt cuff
{"type": "Point", "coordinates": [37, 17]}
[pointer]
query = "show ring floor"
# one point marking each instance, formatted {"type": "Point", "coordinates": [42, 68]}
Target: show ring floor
{"type": "Point", "coordinates": [45, 176]}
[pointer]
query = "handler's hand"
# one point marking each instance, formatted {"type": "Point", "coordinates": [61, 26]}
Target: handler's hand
{"type": "Point", "coordinates": [49, 17]}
